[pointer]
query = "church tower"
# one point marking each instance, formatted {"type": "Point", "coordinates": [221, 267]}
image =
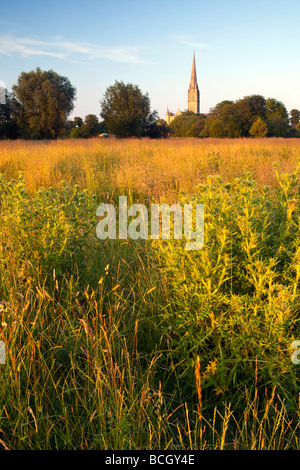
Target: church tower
{"type": "Point", "coordinates": [193, 93]}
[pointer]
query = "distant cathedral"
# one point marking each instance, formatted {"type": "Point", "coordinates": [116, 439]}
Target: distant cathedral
{"type": "Point", "coordinates": [193, 102]}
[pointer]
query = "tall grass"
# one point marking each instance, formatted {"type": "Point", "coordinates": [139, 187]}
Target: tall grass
{"type": "Point", "coordinates": [122, 344]}
{"type": "Point", "coordinates": [145, 168]}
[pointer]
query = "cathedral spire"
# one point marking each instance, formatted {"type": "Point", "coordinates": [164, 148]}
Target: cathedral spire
{"type": "Point", "coordinates": [193, 91]}
{"type": "Point", "coordinates": [193, 82]}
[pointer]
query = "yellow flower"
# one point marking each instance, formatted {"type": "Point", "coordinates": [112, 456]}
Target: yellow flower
{"type": "Point", "coordinates": [210, 369]}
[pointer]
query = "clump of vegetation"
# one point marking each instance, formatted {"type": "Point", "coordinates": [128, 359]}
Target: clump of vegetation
{"type": "Point", "coordinates": [188, 124]}
{"type": "Point", "coordinates": [235, 302]}
{"type": "Point", "coordinates": [259, 128]}
{"type": "Point", "coordinates": [90, 127]}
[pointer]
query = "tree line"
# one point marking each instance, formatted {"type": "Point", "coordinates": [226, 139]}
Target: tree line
{"type": "Point", "coordinates": [39, 106]}
{"type": "Point", "coordinates": [251, 116]}
{"type": "Point", "coordinates": [41, 102]}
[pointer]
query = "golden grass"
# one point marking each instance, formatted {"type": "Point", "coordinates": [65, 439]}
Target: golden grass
{"type": "Point", "coordinates": [148, 168]}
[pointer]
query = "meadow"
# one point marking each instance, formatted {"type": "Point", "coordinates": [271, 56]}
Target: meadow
{"type": "Point", "coordinates": [141, 344]}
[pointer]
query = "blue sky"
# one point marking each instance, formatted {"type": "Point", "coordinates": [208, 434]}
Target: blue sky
{"type": "Point", "coordinates": [242, 47]}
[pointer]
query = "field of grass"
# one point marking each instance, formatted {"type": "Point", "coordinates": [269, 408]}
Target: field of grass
{"type": "Point", "coordinates": [123, 344]}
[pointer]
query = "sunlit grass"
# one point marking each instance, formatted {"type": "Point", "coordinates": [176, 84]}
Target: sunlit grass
{"type": "Point", "coordinates": [144, 167]}
{"type": "Point", "coordinates": [122, 344]}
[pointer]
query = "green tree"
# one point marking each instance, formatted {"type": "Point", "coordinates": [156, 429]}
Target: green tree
{"type": "Point", "coordinates": [151, 127]}
{"type": "Point", "coordinates": [213, 128]}
{"type": "Point", "coordinates": [187, 124]}
{"type": "Point", "coordinates": [91, 125]}
{"type": "Point", "coordinates": [125, 110]}
{"type": "Point", "coordinates": [259, 128]}
{"type": "Point", "coordinates": [223, 121]}
{"type": "Point", "coordinates": [294, 117]}
{"type": "Point", "coordinates": [78, 121]}
{"type": "Point", "coordinates": [163, 128]}
{"type": "Point", "coordinates": [44, 100]}
{"type": "Point", "coordinates": [237, 119]}
{"type": "Point", "coordinates": [218, 109]}
{"type": "Point", "coordinates": [247, 110]}
{"type": "Point", "coordinates": [256, 106]}
{"type": "Point", "coordinates": [277, 118]}
{"type": "Point", "coordinates": [275, 108]}
{"type": "Point", "coordinates": [278, 127]}
{"type": "Point", "coordinates": [76, 133]}
{"type": "Point", "coordinates": [198, 126]}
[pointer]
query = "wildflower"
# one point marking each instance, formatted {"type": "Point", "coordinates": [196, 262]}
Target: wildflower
{"type": "Point", "coordinates": [210, 369]}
